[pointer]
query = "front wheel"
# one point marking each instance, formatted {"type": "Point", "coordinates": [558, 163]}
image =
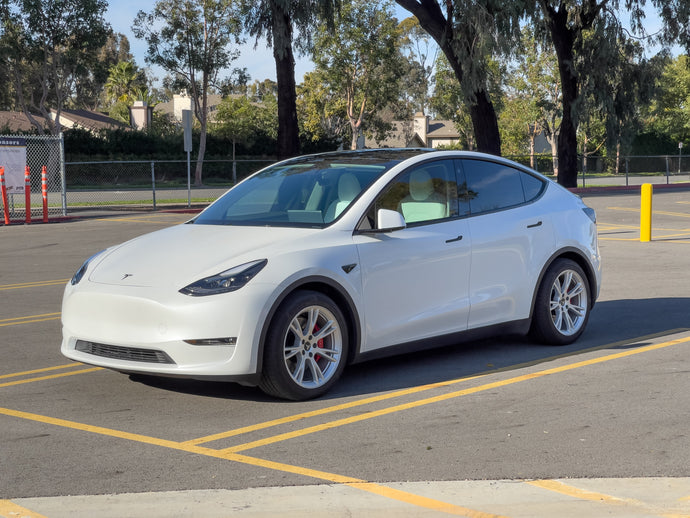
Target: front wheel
{"type": "Point", "coordinates": [306, 347]}
{"type": "Point", "coordinates": [562, 305]}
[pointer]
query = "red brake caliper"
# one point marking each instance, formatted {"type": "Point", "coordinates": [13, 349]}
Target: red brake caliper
{"type": "Point", "coordinates": [319, 344]}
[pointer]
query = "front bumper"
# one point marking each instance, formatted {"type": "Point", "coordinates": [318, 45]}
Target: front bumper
{"type": "Point", "coordinates": [145, 330]}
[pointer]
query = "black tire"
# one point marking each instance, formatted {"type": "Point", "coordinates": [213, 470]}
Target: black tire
{"type": "Point", "coordinates": [562, 305]}
{"type": "Point", "coordinates": [302, 360]}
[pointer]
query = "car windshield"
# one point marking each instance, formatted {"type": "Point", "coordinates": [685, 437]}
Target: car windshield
{"type": "Point", "coordinates": [309, 191]}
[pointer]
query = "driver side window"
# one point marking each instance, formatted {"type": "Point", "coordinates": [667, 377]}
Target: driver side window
{"type": "Point", "coordinates": [425, 193]}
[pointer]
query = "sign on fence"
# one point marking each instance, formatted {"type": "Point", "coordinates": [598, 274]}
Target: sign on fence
{"type": "Point", "coordinates": [13, 159]}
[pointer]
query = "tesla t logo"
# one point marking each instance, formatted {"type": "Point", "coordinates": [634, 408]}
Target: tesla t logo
{"type": "Point", "coordinates": [126, 275]}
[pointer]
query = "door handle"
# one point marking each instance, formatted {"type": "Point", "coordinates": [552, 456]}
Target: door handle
{"type": "Point", "coordinates": [538, 224]}
{"type": "Point", "coordinates": [459, 238]}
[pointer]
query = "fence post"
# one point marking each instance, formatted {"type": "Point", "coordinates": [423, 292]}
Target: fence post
{"type": "Point", "coordinates": [27, 194]}
{"type": "Point", "coordinates": [63, 175]}
{"type": "Point", "coordinates": [153, 183]}
{"type": "Point", "coordinates": [667, 169]}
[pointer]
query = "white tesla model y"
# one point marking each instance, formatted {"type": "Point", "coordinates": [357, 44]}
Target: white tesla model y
{"type": "Point", "coordinates": [323, 260]}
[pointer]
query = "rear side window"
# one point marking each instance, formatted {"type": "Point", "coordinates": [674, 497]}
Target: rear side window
{"type": "Point", "coordinates": [531, 186]}
{"type": "Point", "coordinates": [492, 186]}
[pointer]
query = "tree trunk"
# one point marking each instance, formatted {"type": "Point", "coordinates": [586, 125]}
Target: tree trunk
{"type": "Point", "coordinates": [563, 40]}
{"type": "Point", "coordinates": [202, 116]}
{"type": "Point", "coordinates": [485, 124]}
{"type": "Point", "coordinates": [200, 154]}
{"type": "Point", "coordinates": [482, 112]}
{"type": "Point", "coordinates": [288, 129]}
{"type": "Point", "coordinates": [532, 160]}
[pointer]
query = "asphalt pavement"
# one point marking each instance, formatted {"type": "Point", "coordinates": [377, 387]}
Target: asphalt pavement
{"type": "Point", "coordinates": [494, 428]}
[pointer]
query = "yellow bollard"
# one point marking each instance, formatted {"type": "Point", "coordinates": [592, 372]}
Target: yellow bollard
{"type": "Point", "coordinates": [646, 213]}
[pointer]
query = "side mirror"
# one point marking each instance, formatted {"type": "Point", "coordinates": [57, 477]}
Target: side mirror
{"type": "Point", "coordinates": [389, 220]}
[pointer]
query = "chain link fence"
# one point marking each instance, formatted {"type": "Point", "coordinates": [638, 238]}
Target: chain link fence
{"type": "Point", "coordinates": [151, 184]}
{"type": "Point", "coordinates": [612, 171]}
{"type": "Point", "coordinates": [41, 151]}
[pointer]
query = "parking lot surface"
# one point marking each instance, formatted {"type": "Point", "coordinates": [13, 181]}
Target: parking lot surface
{"type": "Point", "coordinates": [499, 427]}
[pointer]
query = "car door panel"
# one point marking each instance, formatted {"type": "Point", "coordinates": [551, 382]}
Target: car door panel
{"type": "Point", "coordinates": [415, 282]}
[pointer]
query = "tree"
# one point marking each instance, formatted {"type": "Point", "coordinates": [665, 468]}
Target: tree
{"type": "Point", "coordinates": [240, 119]}
{"type": "Point", "coordinates": [589, 41]}
{"type": "Point", "coordinates": [629, 82]}
{"type": "Point", "coordinates": [191, 39]}
{"type": "Point", "coordinates": [447, 102]}
{"type": "Point", "coordinates": [468, 34]}
{"type": "Point", "coordinates": [122, 80]}
{"type": "Point", "coordinates": [89, 82]}
{"type": "Point", "coordinates": [52, 42]}
{"type": "Point", "coordinates": [275, 20]}
{"type": "Point", "coordinates": [533, 88]}
{"type": "Point", "coordinates": [669, 111]}
{"type": "Point", "coordinates": [360, 61]}
{"type": "Point", "coordinates": [8, 26]}
{"type": "Point", "coordinates": [322, 111]}
{"type": "Point", "coordinates": [421, 53]}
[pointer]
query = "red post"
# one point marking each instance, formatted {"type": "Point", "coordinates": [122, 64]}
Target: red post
{"type": "Point", "coordinates": [3, 191]}
{"type": "Point", "coordinates": [27, 193]}
{"type": "Point", "coordinates": [44, 193]}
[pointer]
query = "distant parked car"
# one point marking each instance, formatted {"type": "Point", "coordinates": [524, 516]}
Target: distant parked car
{"type": "Point", "coordinates": [323, 260]}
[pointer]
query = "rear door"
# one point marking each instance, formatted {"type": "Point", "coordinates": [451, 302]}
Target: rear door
{"type": "Point", "coordinates": [512, 238]}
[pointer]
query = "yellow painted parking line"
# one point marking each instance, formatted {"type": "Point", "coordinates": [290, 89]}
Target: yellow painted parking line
{"type": "Point", "coordinates": [37, 371]}
{"type": "Point", "coordinates": [36, 284]}
{"type": "Point", "coordinates": [9, 509]}
{"type": "Point", "coordinates": [451, 395]}
{"type": "Point", "coordinates": [582, 494]}
{"type": "Point", "coordinates": [631, 239]}
{"type": "Point", "coordinates": [356, 483]}
{"type": "Point", "coordinates": [592, 496]}
{"type": "Point", "coordinates": [324, 411]}
{"type": "Point", "coordinates": [658, 212]}
{"type": "Point", "coordinates": [52, 376]}
{"type": "Point", "coordinates": [330, 477]}
{"type": "Point", "coordinates": [29, 319]}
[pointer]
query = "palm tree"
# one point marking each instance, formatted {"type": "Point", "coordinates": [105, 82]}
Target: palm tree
{"type": "Point", "coordinates": [121, 83]}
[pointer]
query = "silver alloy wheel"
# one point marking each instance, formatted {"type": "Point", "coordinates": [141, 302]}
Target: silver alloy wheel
{"type": "Point", "coordinates": [568, 302]}
{"type": "Point", "coordinates": [313, 347]}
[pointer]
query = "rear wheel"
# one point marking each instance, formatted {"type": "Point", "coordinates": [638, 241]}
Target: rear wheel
{"type": "Point", "coordinates": [561, 309]}
{"type": "Point", "coordinates": [306, 347]}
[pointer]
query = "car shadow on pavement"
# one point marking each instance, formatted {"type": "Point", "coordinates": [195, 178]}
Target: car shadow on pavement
{"type": "Point", "coordinates": [613, 324]}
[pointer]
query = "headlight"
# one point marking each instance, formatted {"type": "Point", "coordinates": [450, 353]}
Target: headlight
{"type": "Point", "coordinates": [82, 270]}
{"type": "Point", "coordinates": [229, 280]}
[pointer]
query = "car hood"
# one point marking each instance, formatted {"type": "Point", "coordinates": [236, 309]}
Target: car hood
{"type": "Point", "coordinates": [180, 255]}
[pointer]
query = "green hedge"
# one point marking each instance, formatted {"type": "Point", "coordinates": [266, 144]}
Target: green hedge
{"type": "Point", "coordinates": [82, 145]}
